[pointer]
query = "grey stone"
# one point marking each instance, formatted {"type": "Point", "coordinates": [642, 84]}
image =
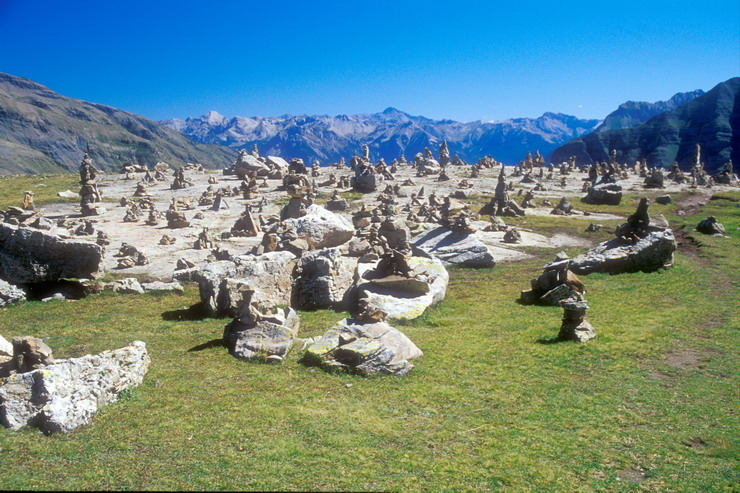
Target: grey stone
{"type": "Point", "coordinates": [10, 294]}
{"type": "Point", "coordinates": [7, 361]}
{"type": "Point", "coordinates": [710, 226]}
{"type": "Point", "coordinates": [32, 256]}
{"type": "Point", "coordinates": [66, 394]}
{"type": "Point", "coordinates": [664, 199]}
{"type": "Point", "coordinates": [455, 248]}
{"type": "Point", "coordinates": [365, 348]}
{"type": "Point", "coordinates": [604, 194]}
{"type": "Point", "coordinates": [323, 279]}
{"type": "Point", "coordinates": [270, 274]}
{"type": "Point", "coordinates": [163, 286]}
{"type": "Point", "coordinates": [271, 336]}
{"type": "Point", "coordinates": [321, 228]}
{"type": "Point", "coordinates": [653, 252]}
{"type": "Point", "coordinates": [129, 285]}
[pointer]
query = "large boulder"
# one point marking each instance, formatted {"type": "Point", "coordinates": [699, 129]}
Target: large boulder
{"type": "Point", "coordinates": [653, 252]}
{"type": "Point", "coordinates": [604, 194]}
{"type": "Point", "coordinates": [270, 274]}
{"type": "Point", "coordinates": [32, 256]}
{"type": "Point", "coordinates": [321, 228]}
{"type": "Point", "coordinates": [247, 163]}
{"type": "Point", "coordinates": [403, 298]}
{"type": "Point", "coordinates": [278, 164]}
{"type": "Point", "coordinates": [268, 339]}
{"type": "Point", "coordinates": [67, 393]}
{"type": "Point", "coordinates": [10, 294]}
{"type": "Point", "coordinates": [455, 248]}
{"type": "Point", "coordinates": [365, 348]}
{"type": "Point", "coordinates": [323, 279]}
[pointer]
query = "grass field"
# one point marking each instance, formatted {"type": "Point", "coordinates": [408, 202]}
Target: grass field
{"type": "Point", "coordinates": [494, 403]}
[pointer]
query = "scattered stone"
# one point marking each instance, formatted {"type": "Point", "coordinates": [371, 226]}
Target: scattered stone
{"type": "Point", "coordinates": [512, 236]}
{"type": "Point", "coordinates": [163, 286]}
{"type": "Point", "coordinates": [664, 199]}
{"type": "Point", "coordinates": [30, 353]}
{"type": "Point", "coordinates": [129, 285]}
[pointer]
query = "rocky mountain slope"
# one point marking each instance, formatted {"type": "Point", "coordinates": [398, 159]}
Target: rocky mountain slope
{"type": "Point", "coordinates": [711, 120]}
{"type": "Point", "coordinates": [388, 134]}
{"type": "Point", "coordinates": [633, 113]}
{"type": "Point", "coordinates": [43, 131]}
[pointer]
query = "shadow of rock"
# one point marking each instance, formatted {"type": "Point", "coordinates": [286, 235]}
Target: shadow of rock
{"type": "Point", "coordinates": [194, 313]}
{"type": "Point", "coordinates": [208, 345]}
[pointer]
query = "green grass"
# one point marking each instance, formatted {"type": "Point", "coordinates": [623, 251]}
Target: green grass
{"type": "Point", "coordinates": [492, 404]}
{"type": "Point", "coordinates": [44, 188]}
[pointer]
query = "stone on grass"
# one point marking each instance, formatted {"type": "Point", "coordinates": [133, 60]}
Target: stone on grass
{"type": "Point", "coordinates": [129, 285]}
{"type": "Point", "coordinates": [604, 194]}
{"type": "Point", "coordinates": [163, 286]}
{"type": "Point", "coordinates": [710, 226]}
{"type": "Point", "coordinates": [266, 337]}
{"type": "Point", "coordinates": [653, 252]}
{"type": "Point", "coordinates": [66, 394]}
{"type": "Point", "coordinates": [575, 327]}
{"type": "Point", "coordinates": [365, 348]}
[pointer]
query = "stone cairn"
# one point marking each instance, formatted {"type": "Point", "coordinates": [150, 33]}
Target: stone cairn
{"type": "Point", "coordinates": [89, 191]}
{"type": "Point", "coordinates": [575, 327]}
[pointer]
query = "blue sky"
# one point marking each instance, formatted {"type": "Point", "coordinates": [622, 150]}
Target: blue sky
{"type": "Point", "coordinates": [463, 60]}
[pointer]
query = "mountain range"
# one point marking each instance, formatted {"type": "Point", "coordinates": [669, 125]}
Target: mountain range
{"type": "Point", "coordinates": [388, 135]}
{"type": "Point", "coordinates": [711, 120]}
{"type": "Point", "coordinates": [42, 131]}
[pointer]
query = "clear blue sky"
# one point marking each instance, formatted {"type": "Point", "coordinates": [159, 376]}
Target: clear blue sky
{"type": "Point", "coordinates": [463, 60]}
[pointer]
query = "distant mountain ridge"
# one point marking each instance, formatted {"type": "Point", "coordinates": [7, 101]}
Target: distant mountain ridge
{"type": "Point", "coordinates": [633, 113]}
{"type": "Point", "coordinates": [43, 131]}
{"type": "Point", "coordinates": [388, 134]}
{"type": "Point", "coordinates": [711, 120]}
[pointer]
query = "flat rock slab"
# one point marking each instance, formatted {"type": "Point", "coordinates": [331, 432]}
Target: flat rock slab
{"type": "Point", "coordinates": [31, 256]}
{"type": "Point", "coordinates": [66, 394]}
{"type": "Point", "coordinates": [373, 348]}
{"type": "Point", "coordinates": [651, 253]}
{"type": "Point", "coordinates": [453, 248]}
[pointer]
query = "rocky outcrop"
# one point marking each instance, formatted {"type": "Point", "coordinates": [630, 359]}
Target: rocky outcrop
{"type": "Point", "coordinates": [32, 256]}
{"type": "Point", "coordinates": [323, 279]}
{"type": "Point", "coordinates": [616, 256]}
{"type": "Point", "coordinates": [365, 348]}
{"type": "Point", "coordinates": [455, 248]}
{"type": "Point", "coordinates": [66, 394]}
{"type": "Point", "coordinates": [321, 228]}
{"type": "Point", "coordinates": [270, 274]}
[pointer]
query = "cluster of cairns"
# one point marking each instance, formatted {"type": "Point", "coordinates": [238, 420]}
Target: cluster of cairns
{"type": "Point", "coordinates": [382, 261]}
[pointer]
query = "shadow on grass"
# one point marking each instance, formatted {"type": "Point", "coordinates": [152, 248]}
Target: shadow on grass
{"type": "Point", "coordinates": [194, 313]}
{"type": "Point", "coordinates": [208, 345]}
{"type": "Point", "coordinates": [551, 340]}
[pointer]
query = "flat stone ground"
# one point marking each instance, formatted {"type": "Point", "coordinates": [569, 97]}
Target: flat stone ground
{"type": "Point", "coordinates": [162, 259]}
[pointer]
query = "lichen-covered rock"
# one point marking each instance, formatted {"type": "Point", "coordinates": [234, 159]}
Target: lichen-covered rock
{"type": "Point", "coordinates": [400, 297]}
{"type": "Point", "coordinates": [66, 394]}
{"type": "Point", "coordinates": [365, 348]}
{"type": "Point", "coordinates": [10, 294]}
{"type": "Point", "coordinates": [32, 256]}
{"type": "Point", "coordinates": [323, 279]}
{"type": "Point", "coordinates": [271, 336]}
{"type": "Point", "coordinates": [321, 228]}
{"type": "Point", "coordinates": [653, 252]}
{"type": "Point", "coordinates": [454, 248]}
{"type": "Point", "coordinates": [270, 274]}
